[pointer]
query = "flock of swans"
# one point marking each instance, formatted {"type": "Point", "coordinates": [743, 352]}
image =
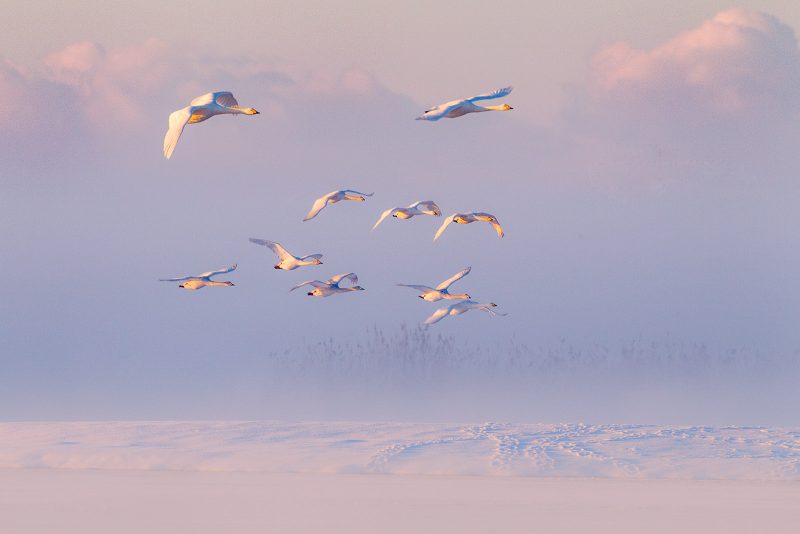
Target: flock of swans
{"type": "Point", "coordinates": [222, 103]}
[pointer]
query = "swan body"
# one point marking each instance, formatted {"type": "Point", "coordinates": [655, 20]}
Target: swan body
{"type": "Point", "coordinates": [201, 280]}
{"type": "Point", "coordinates": [458, 108]}
{"type": "Point", "coordinates": [420, 207]}
{"type": "Point", "coordinates": [331, 286]}
{"type": "Point", "coordinates": [287, 261]}
{"type": "Point", "coordinates": [467, 218]}
{"type": "Point", "coordinates": [332, 198]}
{"type": "Point", "coordinates": [460, 307]}
{"type": "Point", "coordinates": [434, 294]}
{"type": "Point", "coordinates": [201, 108]}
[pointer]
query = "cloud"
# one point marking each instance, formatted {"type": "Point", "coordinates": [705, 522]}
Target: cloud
{"type": "Point", "coordinates": [737, 62]}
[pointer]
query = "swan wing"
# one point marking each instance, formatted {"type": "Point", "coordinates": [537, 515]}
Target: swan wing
{"type": "Point", "coordinates": [421, 289]}
{"type": "Point", "coordinates": [335, 280]}
{"type": "Point", "coordinates": [311, 257]}
{"type": "Point", "coordinates": [428, 206]}
{"type": "Point", "coordinates": [320, 203]}
{"type": "Point", "coordinates": [225, 99]}
{"type": "Point", "coordinates": [458, 276]}
{"type": "Point", "coordinates": [436, 113]}
{"type": "Point", "coordinates": [438, 315]}
{"type": "Point", "coordinates": [203, 100]}
{"type": "Point", "coordinates": [224, 270]}
{"type": "Point", "coordinates": [443, 227]}
{"type": "Point", "coordinates": [175, 279]}
{"type": "Point", "coordinates": [492, 94]}
{"type": "Point", "coordinates": [352, 192]}
{"type": "Point", "coordinates": [315, 283]}
{"type": "Point", "coordinates": [177, 122]}
{"type": "Point", "coordinates": [281, 252]}
{"type": "Point", "coordinates": [383, 216]}
{"type": "Point", "coordinates": [497, 228]}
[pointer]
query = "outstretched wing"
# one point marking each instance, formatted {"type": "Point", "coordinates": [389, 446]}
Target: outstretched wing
{"type": "Point", "coordinates": [175, 279]}
{"type": "Point", "coordinates": [436, 113]}
{"type": "Point", "coordinates": [203, 100]}
{"type": "Point", "coordinates": [352, 192]}
{"type": "Point", "coordinates": [383, 216]}
{"type": "Point", "coordinates": [312, 257]}
{"type": "Point", "coordinates": [497, 228]}
{"type": "Point", "coordinates": [443, 227]}
{"type": "Point", "coordinates": [458, 276]}
{"type": "Point", "coordinates": [281, 252]}
{"type": "Point", "coordinates": [492, 94]}
{"type": "Point", "coordinates": [224, 270]}
{"type": "Point", "coordinates": [177, 121]}
{"type": "Point", "coordinates": [335, 280]}
{"type": "Point", "coordinates": [421, 289]}
{"type": "Point", "coordinates": [315, 283]}
{"type": "Point", "coordinates": [427, 206]}
{"type": "Point", "coordinates": [320, 203]}
{"type": "Point", "coordinates": [437, 316]}
{"type": "Point", "coordinates": [226, 99]}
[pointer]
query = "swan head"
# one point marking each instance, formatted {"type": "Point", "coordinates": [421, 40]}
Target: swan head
{"type": "Point", "coordinates": [228, 283]}
{"type": "Point", "coordinates": [358, 288]}
{"type": "Point", "coordinates": [277, 267]}
{"type": "Point", "coordinates": [317, 262]}
{"type": "Point", "coordinates": [492, 304]}
{"type": "Point", "coordinates": [506, 107]}
{"type": "Point", "coordinates": [251, 111]}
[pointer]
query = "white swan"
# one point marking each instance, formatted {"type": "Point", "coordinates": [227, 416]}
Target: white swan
{"type": "Point", "coordinates": [332, 198]}
{"type": "Point", "coordinates": [461, 307]}
{"type": "Point", "coordinates": [287, 261]}
{"type": "Point", "coordinates": [201, 108]}
{"type": "Point", "coordinates": [433, 294]}
{"type": "Point", "coordinates": [201, 280]}
{"type": "Point", "coordinates": [457, 108]}
{"type": "Point", "coordinates": [466, 218]}
{"type": "Point", "coordinates": [420, 207]}
{"type": "Point", "coordinates": [331, 286]}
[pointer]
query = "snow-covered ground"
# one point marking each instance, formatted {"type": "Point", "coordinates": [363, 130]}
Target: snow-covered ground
{"type": "Point", "coordinates": [211, 477]}
{"type": "Point", "coordinates": [542, 450]}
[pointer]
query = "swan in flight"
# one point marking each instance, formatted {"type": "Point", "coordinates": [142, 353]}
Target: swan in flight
{"type": "Point", "coordinates": [420, 207]}
{"type": "Point", "coordinates": [331, 286]}
{"type": "Point", "coordinates": [433, 294]}
{"type": "Point", "coordinates": [457, 108]}
{"type": "Point", "coordinates": [201, 108]}
{"type": "Point", "coordinates": [201, 280]}
{"type": "Point", "coordinates": [332, 198]}
{"type": "Point", "coordinates": [460, 307]}
{"type": "Point", "coordinates": [287, 261]}
{"type": "Point", "coordinates": [466, 218]}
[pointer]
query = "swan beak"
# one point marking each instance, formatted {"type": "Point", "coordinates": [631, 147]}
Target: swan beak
{"type": "Point", "coordinates": [277, 267]}
{"type": "Point", "coordinates": [256, 112]}
{"type": "Point", "coordinates": [310, 294]}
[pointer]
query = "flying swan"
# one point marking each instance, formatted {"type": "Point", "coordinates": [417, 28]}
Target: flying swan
{"type": "Point", "coordinates": [287, 261]}
{"type": "Point", "coordinates": [433, 294]}
{"type": "Point", "coordinates": [461, 307]}
{"type": "Point", "coordinates": [457, 108]}
{"type": "Point", "coordinates": [201, 108]}
{"type": "Point", "coordinates": [420, 207]}
{"type": "Point", "coordinates": [331, 286]}
{"type": "Point", "coordinates": [332, 198]}
{"type": "Point", "coordinates": [467, 218]}
{"type": "Point", "coordinates": [201, 280]}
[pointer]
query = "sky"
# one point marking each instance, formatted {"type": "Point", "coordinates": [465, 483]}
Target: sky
{"type": "Point", "coordinates": [646, 179]}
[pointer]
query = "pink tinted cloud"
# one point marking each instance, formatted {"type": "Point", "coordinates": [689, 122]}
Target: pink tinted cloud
{"type": "Point", "coordinates": [112, 83]}
{"type": "Point", "coordinates": [735, 62]}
